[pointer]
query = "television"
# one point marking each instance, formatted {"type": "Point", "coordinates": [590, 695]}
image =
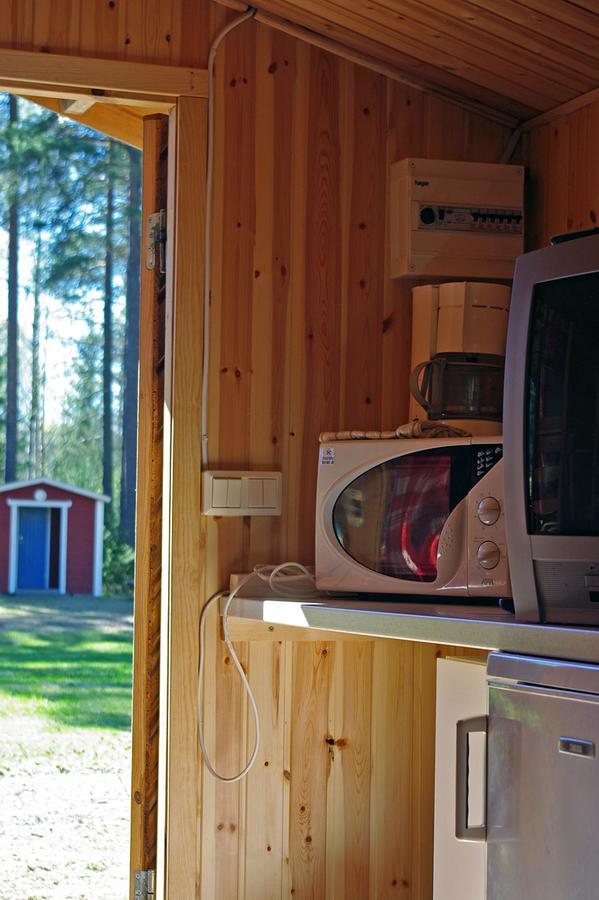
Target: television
{"type": "Point", "coordinates": [551, 433]}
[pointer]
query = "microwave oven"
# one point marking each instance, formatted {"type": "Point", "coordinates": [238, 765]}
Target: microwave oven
{"type": "Point", "coordinates": [551, 433]}
{"type": "Point", "coordinates": [412, 516]}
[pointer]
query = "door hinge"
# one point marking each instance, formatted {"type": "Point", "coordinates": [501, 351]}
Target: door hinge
{"type": "Point", "coordinates": [156, 238]}
{"type": "Point", "coordinates": [145, 882]}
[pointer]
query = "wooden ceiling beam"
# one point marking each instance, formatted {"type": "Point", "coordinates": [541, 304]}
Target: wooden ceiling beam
{"type": "Point", "coordinates": [77, 107]}
{"type": "Point", "coordinates": [151, 103]}
{"type": "Point", "coordinates": [80, 76]}
{"type": "Point", "coordinates": [119, 122]}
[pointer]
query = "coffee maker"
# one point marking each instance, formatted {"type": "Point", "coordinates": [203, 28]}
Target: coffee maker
{"type": "Point", "coordinates": [458, 349]}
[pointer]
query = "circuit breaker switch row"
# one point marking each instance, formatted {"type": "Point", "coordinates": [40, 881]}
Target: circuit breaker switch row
{"type": "Point", "coordinates": [241, 493]}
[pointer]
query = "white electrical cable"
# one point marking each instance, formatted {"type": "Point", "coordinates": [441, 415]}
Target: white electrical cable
{"type": "Point", "coordinates": [208, 224]}
{"type": "Point", "coordinates": [280, 580]}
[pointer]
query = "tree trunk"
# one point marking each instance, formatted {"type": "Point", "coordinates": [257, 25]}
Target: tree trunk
{"type": "Point", "coordinates": [131, 355]}
{"type": "Point", "coordinates": [107, 441]}
{"type": "Point", "coordinates": [12, 337]}
{"type": "Point", "coordinates": [34, 464]}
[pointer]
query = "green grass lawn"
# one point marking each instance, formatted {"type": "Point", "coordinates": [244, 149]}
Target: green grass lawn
{"type": "Point", "coordinates": [66, 660]}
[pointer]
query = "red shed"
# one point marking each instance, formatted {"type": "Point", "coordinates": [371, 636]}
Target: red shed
{"type": "Point", "coordinates": [51, 538]}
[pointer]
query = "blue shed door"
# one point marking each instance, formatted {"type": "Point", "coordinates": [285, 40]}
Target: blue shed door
{"type": "Point", "coordinates": [34, 525]}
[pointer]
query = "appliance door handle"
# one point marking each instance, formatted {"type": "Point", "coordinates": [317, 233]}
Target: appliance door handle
{"type": "Point", "coordinates": [466, 727]}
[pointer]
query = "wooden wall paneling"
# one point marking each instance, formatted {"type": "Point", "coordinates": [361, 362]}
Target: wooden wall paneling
{"type": "Point", "coordinates": [346, 73]}
{"type": "Point", "coordinates": [268, 278]}
{"type": "Point", "coordinates": [362, 388]}
{"type": "Point", "coordinates": [300, 166]}
{"type": "Point", "coordinates": [390, 871]}
{"type": "Point", "coordinates": [486, 141]}
{"type": "Point", "coordinates": [405, 135]}
{"type": "Point", "coordinates": [148, 545]}
{"type": "Point", "coordinates": [321, 333]}
{"type": "Point", "coordinates": [563, 175]}
{"type": "Point", "coordinates": [264, 813]}
{"type": "Point", "coordinates": [298, 540]}
{"type": "Point", "coordinates": [536, 160]}
{"type": "Point", "coordinates": [348, 790]}
{"type": "Point", "coordinates": [184, 528]}
{"type": "Point", "coordinates": [446, 130]}
{"type": "Point", "coordinates": [580, 169]}
{"type": "Point", "coordinates": [281, 68]}
{"type": "Point", "coordinates": [236, 92]}
{"type": "Point", "coordinates": [309, 768]}
{"type": "Point", "coordinates": [177, 33]}
{"type": "Point", "coordinates": [423, 767]}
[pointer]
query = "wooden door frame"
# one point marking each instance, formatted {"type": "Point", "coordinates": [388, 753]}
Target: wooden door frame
{"type": "Point", "coordinates": [148, 513]}
{"type": "Point", "coordinates": [183, 540]}
{"type": "Point", "coordinates": [182, 91]}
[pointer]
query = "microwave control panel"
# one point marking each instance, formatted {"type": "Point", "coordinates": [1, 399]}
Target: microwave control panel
{"type": "Point", "coordinates": [487, 550]}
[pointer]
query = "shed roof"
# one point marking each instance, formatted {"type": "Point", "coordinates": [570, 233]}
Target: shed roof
{"type": "Point", "coordinates": [34, 482]}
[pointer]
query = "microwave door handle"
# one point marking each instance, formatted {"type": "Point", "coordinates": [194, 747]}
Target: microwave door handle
{"type": "Point", "coordinates": [464, 728]}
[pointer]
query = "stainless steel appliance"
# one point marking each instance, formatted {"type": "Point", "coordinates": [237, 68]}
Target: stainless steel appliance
{"type": "Point", "coordinates": [542, 810]}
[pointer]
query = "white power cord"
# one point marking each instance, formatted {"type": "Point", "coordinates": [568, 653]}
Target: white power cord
{"type": "Point", "coordinates": [289, 579]}
{"type": "Point", "coordinates": [208, 223]}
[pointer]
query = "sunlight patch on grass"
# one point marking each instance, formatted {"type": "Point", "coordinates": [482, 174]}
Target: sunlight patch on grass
{"type": "Point", "coordinates": [73, 677]}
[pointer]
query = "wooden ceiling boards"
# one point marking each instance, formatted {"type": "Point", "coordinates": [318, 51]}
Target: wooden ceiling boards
{"type": "Point", "coordinates": [518, 57]}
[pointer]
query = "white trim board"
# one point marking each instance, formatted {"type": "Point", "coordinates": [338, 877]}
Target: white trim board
{"type": "Point", "coordinates": [59, 485]}
{"type": "Point", "coordinates": [98, 549]}
{"type": "Point", "coordinates": [13, 540]}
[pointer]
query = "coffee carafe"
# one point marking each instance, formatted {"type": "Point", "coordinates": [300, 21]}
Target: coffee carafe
{"type": "Point", "coordinates": [458, 348]}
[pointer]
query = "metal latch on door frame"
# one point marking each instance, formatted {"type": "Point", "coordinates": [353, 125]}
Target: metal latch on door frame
{"type": "Point", "coordinates": [156, 236]}
{"type": "Point", "coordinates": [145, 884]}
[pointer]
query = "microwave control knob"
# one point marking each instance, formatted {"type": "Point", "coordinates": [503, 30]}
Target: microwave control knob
{"type": "Point", "coordinates": [489, 510]}
{"type": "Point", "coordinates": [488, 555]}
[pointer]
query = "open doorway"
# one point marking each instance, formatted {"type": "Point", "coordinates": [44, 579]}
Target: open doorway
{"type": "Point", "coordinates": [68, 390]}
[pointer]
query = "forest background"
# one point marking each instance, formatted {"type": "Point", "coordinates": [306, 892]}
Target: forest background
{"type": "Point", "coordinates": [69, 344]}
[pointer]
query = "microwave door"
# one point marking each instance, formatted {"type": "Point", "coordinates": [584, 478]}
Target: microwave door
{"type": "Point", "coordinates": [542, 794]}
{"type": "Point", "coordinates": [390, 518]}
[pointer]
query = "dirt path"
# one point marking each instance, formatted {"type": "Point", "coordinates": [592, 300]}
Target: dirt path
{"type": "Point", "coordinates": [64, 792]}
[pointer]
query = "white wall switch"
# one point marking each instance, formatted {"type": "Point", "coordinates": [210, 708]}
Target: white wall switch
{"type": "Point", "coordinates": [241, 493]}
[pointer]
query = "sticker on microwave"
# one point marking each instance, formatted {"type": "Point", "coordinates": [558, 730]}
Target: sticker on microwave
{"type": "Point", "coordinates": [327, 456]}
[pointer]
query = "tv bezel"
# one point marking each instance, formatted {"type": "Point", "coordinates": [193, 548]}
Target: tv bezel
{"type": "Point", "coordinates": [564, 260]}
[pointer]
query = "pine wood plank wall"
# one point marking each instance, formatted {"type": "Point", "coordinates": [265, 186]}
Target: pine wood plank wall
{"type": "Point", "coordinates": [175, 32]}
{"type": "Point", "coordinates": [563, 175]}
{"type": "Point", "coordinates": [309, 333]}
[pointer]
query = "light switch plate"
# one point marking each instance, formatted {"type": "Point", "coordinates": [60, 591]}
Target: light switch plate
{"type": "Point", "coordinates": [241, 493]}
